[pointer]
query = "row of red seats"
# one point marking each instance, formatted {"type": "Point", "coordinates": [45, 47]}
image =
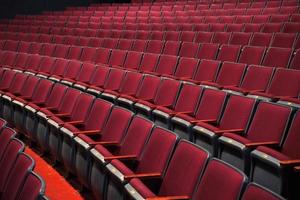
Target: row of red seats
{"type": "Point", "coordinates": [110, 39]}
{"type": "Point", "coordinates": [83, 21]}
{"type": "Point", "coordinates": [214, 27]}
{"type": "Point", "coordinates": [284, 85]}
{"type": "Point", "coordinates": [17, 180]}
{"type": "Point", "coordinates": [233, 53]}
{"type": "Point", "coordinates": [74, 121]}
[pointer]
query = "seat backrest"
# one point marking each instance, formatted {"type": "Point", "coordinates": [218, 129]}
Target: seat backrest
{"type": "Point", "coordinates": [33, 62]}
{"type": "Point", "coordinates": [133, 60]}
{"type": "Point", "coordinates": [207, 70]}
{"type": "Point", "coordinates": [208, 51]}
{"type": "Point", "coordinates": [82, 107]}
{"type": "Point", "coordinates": [255, 191]}
{"type": "Point", "coordinates": [20, 61]}
{"type": "Point", "coordinates": [131, 83]}
{"type": "Point", "coordinates": [167, 92]}
{"type": "Point", "coordinates": [59, 67]}
{"type": "Point", "coordinates": [5, 136]}
{"type": "Point", "coordinates": [7, 79]}
{"type": "Point", "coordinates": [57, 93]}
{"type": "Point", "coordinates": [114, 79]}
{"type": "Point", "coordinates": [237, 112]}
{"type": "Point", "coordinates": [290, 27]}
{"type": "Point", "coordinates": [271, 27]}
{"type": "Point", "coordinates": [171, 48]}
{"type": "Point", "coordinates": [61, 51]}
{"type": "Point", "coordinates": [285, 82]}
{"type": "Point", "coordinates": [73, 69]}
{"type": "Point", "coordinates": [136, 137]}
{"type": "Point", "coordinates": [166, 64]}
{"type": "Point", "coordinates": [9, 157]}
{"type": "Point", "coordinates": [189, 49]}
{"type": "Point", "coordinates": [69, 100]}
{"type": "Point", "coordinates": [46, 64]}
{"type": "Point", "coordinates": [232, 183]}
{"type": "Point", "coordinates": [211, 105]}
{"type": "Point", "coordinates": [188, 36]}
{"type": "Point", "coordinates": [99, 76]}
{"type": "Point", "coordinates": [102, 55]}
{"type": "Point", "coordinates": [149, 62]}
{"type": "Point", "coordinates": [231, 74]}
{"type": "Point", "coordinates": [42, 91]}
{"type": "Point", "coordinates": [252, 55]}
{"type": "Point", "coordinates": [181, 171]}
{"type": "Point", "coordinates": [148, 88]}
{"type": "Point", "coordinates": [139, 45]}
{"type": "Point", "coordinates": [117, 124]}
{"type": "Point", "coordinates": [155, 46]}
{"type": "Point", "coordinates": [86, 72]}
{"type": "Point", "coordinates": [117, 57]}
{"type": "Point", "coordinates": [88, 54]}
{"type": "Point", "coordinates": [221, 38]}
{"type": "Point", "coordinates": [283, 40]}
{"type": "Point", "coordinates": [33, 188]}
{"type": "Point", "coordinates": [188, 98]}
{"type": "Point", "coordinates": [204, 37]}
{"type": "Point", "coordinates": [98, 115]}
{"type": "Point", "coordinates": [17, 176]}
{"type": "Point", "coordinates": [162, 142]}
{"type": "Point", "coordinates": [290, 146]}
{"type": "Point", "coordinates": [186, 67]}
{"type": "Point", "coordinates": [240, 38]}
{"type": "Point", "coordinates": [269, 123]}
{"type": "Point", "coordinates": [261, 39]}
{"type": "Point", "coordinates": [229, 53]}
{"type": "Point", "coordinates": [29, 86]}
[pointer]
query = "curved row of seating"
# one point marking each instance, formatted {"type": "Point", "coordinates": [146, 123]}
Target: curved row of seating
{"type": "Point", "coordinates": [94, 140]}
{"type": "Point", "coordinates": [283, 40]}
{"type": "Point", "coordinates": [284, 85]}
{"type": "Point", "coordinates": [17, 180]}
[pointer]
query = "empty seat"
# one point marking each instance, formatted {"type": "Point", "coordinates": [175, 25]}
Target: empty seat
{"type": "Point", "coordinates": [189, 49]}
{"type": "Point", "coordinates": [10, 45]}
{"type": "Point", "coordinates": [235, 27]}
{"type": "Point", "coordinates": [18, 174]}
{"type": "Point", "coordinates": [261, 39]}
{"type": "Point", "coordinates": [276, 162]}
{"type": "Point", "coordinates": [166, 96]}
{"type": "Point", "coordinates": [252, 55]}
{"type": "Point", "coordinates": [186, 68]}
{"type": "Point", "coordinates": [206, 71]}
{"type": "Point", "coordinates": [251, 27]}
{"type": "Point", "coordinates": [230, 74]}
{"type": "Point", "coordinates": [284, 40]}
{"type": "Point", "coordinates": [102, 56]}
{"type": "Point", "coordinates": [60, 51]}
{"type": "Point", "coordinates": [110, 43]}
{"type": "Point", "coordinates": [171, 48]}
{"type": "Point", "coordinates": [125, 44]}
{"type": "Point", "coordinates": [149, 62]}
{"type": "Point", "coordinates": [71, 72]}
{"type": "Point", "coordinates": [47, 49]}
{"type": "Point", "coordinates": [257, 78]}
{"type": "Point", "coordinates": [166, 65]}
{"type": "Point", "coordinates": [221, 37]}
{"type": "Point", "coordinates": [233, 183]}
{"type": "Point", "coordinates": [229, 53]}
{"type": "Point", "coordinates": [133, 60]}
{"type": "Point", "coordinates": [208, 51]}
{"type": "Point", "coordinates": [172, 35]}
{"type": "Point", "coordinates": [235, 118]}
{"type": "Point", "coordinates": [117, 58]}
{"type": "Point", "coordinates": [132, 146]}
{"type": "Point", "coordinates": [6, 136]}
{"type": "Point", "coordinates": [58, 69]}
{"type": "Point", "coordinates": [129, 86]}
{"type": "Point", "coordinates": [187, 36]}
{"type": "Point", "coordinates": [204, 37]}
{"type": "Point", "coordinates": [139, 45]}
{"type": "Point", "coordinates": [88, 54]}
{"type": "Point", "coordinates": [186, 103]}
{"type": "Point", "coordinates": [180, 168]}
{"type": "Point", "coordinates": [267, 127]}
{"type": "Point", "coordinates": [277, 57]}
{"type": "Point", "coordinates": [240, 38]}
{"type": "Point", "coordinates": [290, 27]}
{"type": "Point", "coordinates": [160, 142]}
{"type": "Point", "coordinates": [271, 27]}
{"type": "Point", "coordinates": [155, 46]}
{"type": "Point", "coordinates": [255, 191]}
{"type": "Point", "coordinates": [146, 91]}
{"type": "Point", "coordinates": [33, 187]}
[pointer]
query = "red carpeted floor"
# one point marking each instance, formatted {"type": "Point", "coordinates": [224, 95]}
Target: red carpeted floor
{"type": "Point", "coordinates": [57, 188]}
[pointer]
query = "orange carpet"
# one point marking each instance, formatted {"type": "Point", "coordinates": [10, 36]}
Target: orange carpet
{"type": "Point", "coordinates": [57, 187]}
